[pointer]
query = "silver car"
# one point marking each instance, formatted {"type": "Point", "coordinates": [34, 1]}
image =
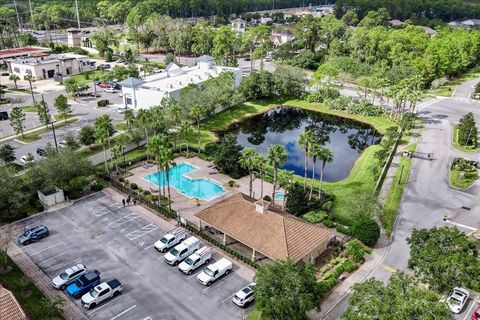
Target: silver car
{"type": "Point", "coordinates": [68, 276]}
{"type": "Point", "coordinates": [245, 296]}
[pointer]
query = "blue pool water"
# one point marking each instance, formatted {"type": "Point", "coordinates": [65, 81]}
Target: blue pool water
{"type": "Point", "coordinates": [192, 188]}
{"type": "Point", "coordinates": [279, 195]}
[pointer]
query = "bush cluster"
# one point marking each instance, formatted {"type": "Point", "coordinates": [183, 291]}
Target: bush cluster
{"type": "Point", "coordinates": [102, 103]}
{"type": "Point", "coordinates": [315, 216]}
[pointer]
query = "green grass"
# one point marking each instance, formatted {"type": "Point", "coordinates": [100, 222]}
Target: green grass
{"type": "Point", "coordinates": [35, 135]}
{"type": "Point", "coordinates": [394, 195]}
{"type": "Point", "coordinates": [448, 88]}
{"type": "Point", "coordinates": [82, 77]}
{"type": "Point", "coordinates": [20, 90]}
{"type": "Point", "coordinates": [461, 182]}
{"type": "Point", "coordinates": [457, 145]}
{"type": "Point", "coordinates": [254, 315]}
{"type": "Point", "coordinates": [28, 109]}
{"type": "Point", "coordinates": [32, 304]}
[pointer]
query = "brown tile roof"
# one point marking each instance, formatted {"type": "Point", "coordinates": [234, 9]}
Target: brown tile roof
{"type": "Point", "coordinates": [275, 235]}
{"type": "Point", "coordinates": [9, 307]}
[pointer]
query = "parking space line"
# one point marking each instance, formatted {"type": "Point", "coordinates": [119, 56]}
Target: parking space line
{"type": "Point", "coordinates": [149, 247]}
{"type": "Point", "coordinates": [115, 206]}
{"type": "Point", "coordinates": [101, 212]}
{"type": "Point", "coordinates": [141, 232]}
{"type": "Point", "coordinates": [228, 298]}
{"type": "Point", "coordinates": [123, 220]}
{"type": "Point", "coordinates": [63, 265]}
{"type": "Point", "coordinates": [218, 281]}
{"type": "Point", "coordinates": [194, 275]}
{"type": "Point", "coordinates": [55, 256]}
{"type": "Point", "coordinates": [103, 305]}
{"type": "Point", "coordinates": [469, 309]}
{"type": "Point", "coordinates": [53, 245]}
{"type": "Point", "coordinates": [123, 312]}
{"type": "Point", "coordinates": [148, 318]}
{"type": "Point", "coordinates": [101, 199]}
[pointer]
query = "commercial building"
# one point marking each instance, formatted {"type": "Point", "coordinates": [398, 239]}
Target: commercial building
{"type": "Point", "coordinates": [266, 231]}
{"type": "Point", "coordinates": [146, 93]}
{"type": "Point", "coordinates": [21, 52]}
{"type": "Point", "coordinates": [50, 66]}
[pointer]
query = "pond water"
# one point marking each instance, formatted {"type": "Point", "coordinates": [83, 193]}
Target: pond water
{"type": "Point", "coordinates": [282, 125]}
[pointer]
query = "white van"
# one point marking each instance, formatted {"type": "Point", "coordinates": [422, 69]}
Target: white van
{"type": "Point", "coordinates": [181, 251]}
{"type": "Point", "coordinates": [199, 258]}
{"type": "Point", "coordinates": [214, 271]}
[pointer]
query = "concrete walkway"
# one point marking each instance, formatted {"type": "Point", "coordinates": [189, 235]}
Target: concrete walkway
{"type": "Point", "coordinates": [40, 279]}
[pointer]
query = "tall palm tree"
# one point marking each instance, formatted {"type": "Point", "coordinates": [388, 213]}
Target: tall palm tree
{"type": "Point", "coordinates": [168, 161]}
{"type": "Point", "coordinates": [102, 135]}
{"type": "Point", "coordinates": [105, 122]}
{"type": "Point", "coordinates": [157, 120]}
{"type": "Point", "coordinates": [248, 161]}
{"type": "Point", "coordinates": [277, 155]}
{"type": "Point", "coordinates": [260, 163]}
{"type": "Point", "coordinates": [305, 139]}
{"type": "Point", "coordinates": [122, 141]}
{"type": "Point", "coordinates": [115, 154]}
{"type": "Point", "coordinates": [186, 129]}
{"type": "Point", "coordinates": [326, 156]}
{"type": "Point", "coordinates": [129, 117]}
{"type": "Point", "coordinates": [313, 152]}
{"type": "Point", "coordinates": [30, 79]}
{"type": "Point", "coordinates": [155, 146]}
{"type": "Point", "coordinates": [175, 113]}
{"type": "Point", "coordinates": [14, 78]}
{"type": "Point", "coordinates": [286, 181]}
{"type": "Point", "coordinates": [142, 121]}
{"type": "Point", "coordinates": [414, 97]}
{"type": "Point", "coordinates": [197, 113]}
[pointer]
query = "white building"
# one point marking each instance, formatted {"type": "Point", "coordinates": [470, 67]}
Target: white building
{"type": "Point", "coordinates": [239, 25]}
{"type": "Point", "coordinates": [50, 66]}
{"type": "Point", "coordinates": [280, 38]}
{"type": "Point", "coordinates": [142, 94]}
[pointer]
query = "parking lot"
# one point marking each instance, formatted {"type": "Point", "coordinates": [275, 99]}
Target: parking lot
{"type": "Point", "coordinates": [100, 233]}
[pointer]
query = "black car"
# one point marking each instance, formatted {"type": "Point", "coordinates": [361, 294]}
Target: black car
{"type": "Point", "coordinates": [41, 152]}
{"type": "Point", "coordinates": [3, 115]}
{"type": "Point", "coordinates": [33, 234]}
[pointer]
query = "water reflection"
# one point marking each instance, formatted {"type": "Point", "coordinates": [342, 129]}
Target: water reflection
{"type": "Point", "coordinates": [282, 125]}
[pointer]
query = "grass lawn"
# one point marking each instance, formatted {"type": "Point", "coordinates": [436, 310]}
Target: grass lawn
{"type": "Point", "coordinates": [28, 109]}
{"type": "Point", "coordinates": [447, 89]}
{"type": "Point", "coordinates": [82, 77]}
{"type": "Point", "coordinates": [32, 304]}
{"type": "Point", "coordinates": [254, 315]}
{"type": "Point", "coordinates": [395, 193]}
{"type": "Point", "coordinates": [461, 181]}
{"type": "Point", "coordinates": [457, 145]}
{"type": "Point", "coordinates": [35, 135]}
{"type": "Point", "coordinates": [20, 90]}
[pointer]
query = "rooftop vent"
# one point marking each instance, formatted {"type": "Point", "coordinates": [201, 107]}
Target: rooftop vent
{"type": "Point", "coordinates": [261, 205]}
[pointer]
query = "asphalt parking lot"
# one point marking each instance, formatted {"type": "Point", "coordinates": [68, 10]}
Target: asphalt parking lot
{"type": "Point", "coordinates": [100, 233]}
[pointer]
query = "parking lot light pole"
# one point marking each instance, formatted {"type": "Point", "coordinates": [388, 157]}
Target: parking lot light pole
{"type": "Point", "coordinates": [54, 136]}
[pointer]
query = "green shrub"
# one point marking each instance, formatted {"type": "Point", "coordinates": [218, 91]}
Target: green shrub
{"type": "Point", "coordinates": [103, 103]}
{"type": "Point", "coordinates": [78, 183]}
{"type": "Point", "coordinates": [315, 216]}
{"type": "Point", "coordinates": [366, 230]}
{"type": "Point", "coordinates": [146, 193]}
{"type": "Point", "coordinates": [343, 229]}
{"type": "Point", "coordinates": [121, 179]}
{"type": "Point", "coordinates": [134, 186]}
{"type": "Point", "coordinates": [328, 223]}
{"type": "Point", "coordinates": [297, 202]}
{"type": "Point", "coordinates": [327, 206]}
{"type": "Point", "coordinates": [349, 266]}
{"type": "Point", "coordinates": [267, 198]}
{"type": "Point", "coordinates": [231, 183]}
{"type": "Point", "coordinates": [355, 250]}
{"type": "Point", "coordinates": [210, 148]}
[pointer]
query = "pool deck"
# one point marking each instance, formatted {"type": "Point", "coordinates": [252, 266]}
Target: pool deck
{"type": "Point", "coordinates": [187, 207]}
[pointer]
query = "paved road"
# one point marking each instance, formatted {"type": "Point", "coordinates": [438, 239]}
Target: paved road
{"type": "Point", "coordinates": [428, 197]}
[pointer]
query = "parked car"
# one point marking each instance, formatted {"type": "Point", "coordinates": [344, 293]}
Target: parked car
{"type": "Point", "coordinates": [245, 296]}
{"type": "Point", "coordinates": [458, 299]}
{"type": "Point", "coordinates": [195, 260]}
{"type": "Point", "coordinates": [110, 90]}
{"type": "Point", "coordinates": [33, 234]}
{"type": "Point", "coordinates": [3, 115]}
{"type": "Point", "coordinates": [26, 159]}
{"type": "Point", "coordinates": [83, 284]}
{"type": "Point", "coordinates": [170, 239]}
{"type": "Point", "coordinates": [68, 276]}
{"type": "Point", "coordinates": [101, 293]}
{"type": "Point", "coordinates": [476, 314]}
{"type": "Point", "coordinates": [41, 152]}
{"type": "Point", "coordinates": [104, 85]}
{"type": "Point", "coordinates": [182, 251]}
{"type": "Point", "coordinates": [214, 271]}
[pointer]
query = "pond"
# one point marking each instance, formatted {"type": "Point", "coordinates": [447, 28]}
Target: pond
{"type": "Point", "coordinates": [282, 125]}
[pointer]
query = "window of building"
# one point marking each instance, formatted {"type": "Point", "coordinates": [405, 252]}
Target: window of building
{"type": "Point", "coordinates": [28, 71]}
{"type": "Point", "coordinates": [129, 100]}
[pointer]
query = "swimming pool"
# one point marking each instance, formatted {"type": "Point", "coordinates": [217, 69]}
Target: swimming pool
{"type": "Point", "coordinates": [279, 195]}
{"type": "Point", "coordinates": [193, 188]}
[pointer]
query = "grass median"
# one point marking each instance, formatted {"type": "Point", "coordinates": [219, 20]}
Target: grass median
{"type": "Point", "coordinates": [458, 146]}
{"type": "Point", "coordinates": [36, 134]}
{"type": "Point", "coordinates": [462, 180]}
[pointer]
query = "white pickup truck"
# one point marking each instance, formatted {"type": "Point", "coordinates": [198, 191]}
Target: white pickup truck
{"type": "Point", "coordinates": [181, 251]}
{"type": "Point", "coordinates": [102, 292]}
{"type": "Point", "coordinates": [199, 258]}
{"type": "Point", "coordinates": [170, 239]}
{"type": "Point", "coordinates": [214, 271]}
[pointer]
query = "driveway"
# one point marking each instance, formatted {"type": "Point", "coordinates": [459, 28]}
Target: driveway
{"type": "Point", "coordinates": [102, 234]}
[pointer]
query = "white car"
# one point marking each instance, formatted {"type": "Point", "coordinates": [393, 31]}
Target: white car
{"type": "Point", "coordinates": [458, 299]}
{"type": "Point", "coordinates": [68, 276]}
{"type": "Point", "coordinates": [245, 296]}
{"type": "Point", "coordinates": [110, 90]}
{"type": "Point", "coordinates": [26, 159]}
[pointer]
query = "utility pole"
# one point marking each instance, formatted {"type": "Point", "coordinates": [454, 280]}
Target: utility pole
{"type": "Point", "coordinates": [31, 13]}
{"type": "Point", "coordinates": [16, 11]}
{"type": "Point", "coordinates": [78, 14]}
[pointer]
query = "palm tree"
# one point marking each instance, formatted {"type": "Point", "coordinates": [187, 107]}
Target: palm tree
{"type": "Point", "coordinates": [14, 78]}
{"type": "Point", "coordinates": [305, 139]}
{"type": "Point", "coordinates": [143, 120]}
{"type": "Point", "coordinates": [122, 141]}
{"type": "Point", "coordinates": [197, 113]}
{"type": "Point", "coordinates": [325, 155]}
{"type": "Point", "coordinates": [248, 161]}
{"type": "Point", "coordinates": [286, 181]}
{"type": "Point", "coordinates": [102, 135]}
{"type": "Point", "coordinates": [106, 123]}
{"type": "Point", "coordinates": [186, 129]}
{"type": "Point", "coordinates": [155, 146]}
{"type": "Point", "coordinates": [168, 161]}
{"type": "Point", "coordinates": [129, 117]}
{"type": "Point", "coordinates": [313, 152]}
{"type": "Point", "coordinates": [260, 163]}
{"type": "Point", "coordinates": [30, 79]}
{"type": "Point", "coordinates": [115, 154]}
{"type": "Point", "coordinates": [157, 120]}
{"type": "Point", "coordinates": [277, 155]}
{"type": "Point", "coordinates": [414, 97]}
{"type": "Point", "coordinates": [175, 112]}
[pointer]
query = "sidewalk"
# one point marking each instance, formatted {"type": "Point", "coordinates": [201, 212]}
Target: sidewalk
{"type": "Point", "coordinates": [70, 311]}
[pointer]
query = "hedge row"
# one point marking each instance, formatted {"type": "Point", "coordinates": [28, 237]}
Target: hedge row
{"type": "Point", "coordinates": [333, 270]}
{"type": "Point", "coordinates": [220, 245]}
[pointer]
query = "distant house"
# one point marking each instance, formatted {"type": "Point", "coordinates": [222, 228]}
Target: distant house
{"type": "Point", "coordinates": [280, 38]}
{"type": "Point", "coordinates": [239, 25]}
{"type": "Point", "coordinates": [146, 93]}
{"type": "Point", "coordinates": [9, 307]}
{"type": "Point", "coordinates": [265, 20]}
{"type": "Point", "coordinates": [267, 232]}
{"type": "Point", "coordinates": [465, 24]}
